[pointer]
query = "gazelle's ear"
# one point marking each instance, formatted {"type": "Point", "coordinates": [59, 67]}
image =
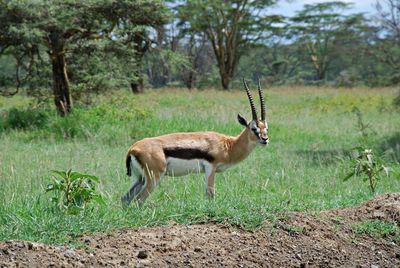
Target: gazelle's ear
{"type": "Point", "coordinates": [242, 121]}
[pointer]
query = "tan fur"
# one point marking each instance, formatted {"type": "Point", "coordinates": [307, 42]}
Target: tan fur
{"type": "Point", "coordinates": [226, 150]}
{"type": "Point", "coordinates": [207, 152]}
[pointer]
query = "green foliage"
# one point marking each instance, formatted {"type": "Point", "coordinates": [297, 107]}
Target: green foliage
{"type": "Point", "coordinates": [320, 28]}
{"type": "Point", "coordinates": [7, 71]}
{"type": "Point", "coordinates": [23, 119]}
{"type": "Point", "coordinates": [112, 44]}
{"type": "Point", "coordinates": [73, 191]}
{"type": "Point", "coordinates": [111, 67]}
{"type": "Point", "coordinates": [378, 229]}
{"type": "Point", "coordinates": [116, 116]}
{"type": "Point", "coordinates": [396, 100]}
{"type": "Point", "coordinates": [164, 61]}
{"type": "Point", "coordinates": [367, 166]}
{"type": "Point", "coordinates": [96, 34]}
{"type": "Point", "coordinates": [244, 23]}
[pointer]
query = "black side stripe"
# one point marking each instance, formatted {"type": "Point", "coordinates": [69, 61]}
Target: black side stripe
{"type": "Point", "coordinates": [128, 165]}
{"type": "Point", "coordinates": [186, 153]}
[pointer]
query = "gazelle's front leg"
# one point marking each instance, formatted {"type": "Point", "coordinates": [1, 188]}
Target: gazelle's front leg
{"type": "Point", "coordinates": [209, 170]}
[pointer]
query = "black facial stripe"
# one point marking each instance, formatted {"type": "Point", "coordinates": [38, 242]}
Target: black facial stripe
{"type": "Point", "coordinates": [188, 153]}
{"type": "Point", "coordinates": [256, 131]}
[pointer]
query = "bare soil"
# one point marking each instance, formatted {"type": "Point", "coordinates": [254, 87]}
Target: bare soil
{"type": "Point", "coordinates": [319, 239]}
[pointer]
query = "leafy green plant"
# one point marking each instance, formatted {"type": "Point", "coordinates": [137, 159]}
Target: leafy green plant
{"type": "Point", "coordinates": [367, 166]}
{"type": "Point", "coordinates": [73, 190]}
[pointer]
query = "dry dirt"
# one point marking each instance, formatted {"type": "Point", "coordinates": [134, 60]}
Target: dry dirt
{"type": "Point", "coordinates": [323, 239]}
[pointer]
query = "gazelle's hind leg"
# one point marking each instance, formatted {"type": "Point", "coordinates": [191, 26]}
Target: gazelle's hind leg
{"type": "Point", "coordinates": [151, 183]}
{"type": "Point", "coordinates": [147, 178]}
{"type": "Point", "coordinates": [136, 172]}
{"type": "Point", "coordinates": [154, 169]}
{"type": "Point", "coordinates": [135, 190]}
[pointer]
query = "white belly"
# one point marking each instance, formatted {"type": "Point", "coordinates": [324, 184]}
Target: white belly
{"type": "Point", "coordinates": [180, 167]}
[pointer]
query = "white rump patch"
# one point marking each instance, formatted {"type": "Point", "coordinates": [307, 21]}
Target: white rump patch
{"type": "Point", "coordinates": [136, 168]}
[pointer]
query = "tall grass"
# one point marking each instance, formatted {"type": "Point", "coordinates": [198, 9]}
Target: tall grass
{"type": "Point", "coordinates": [311, 132]}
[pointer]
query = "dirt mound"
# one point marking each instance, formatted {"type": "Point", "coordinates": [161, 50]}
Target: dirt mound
{"type": "Point", "coordinates": [385, 207]}
{"type": "Point", "coordinates": [323, 239]}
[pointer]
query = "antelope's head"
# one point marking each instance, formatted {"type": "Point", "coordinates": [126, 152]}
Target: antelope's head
{"type": "Point", "coordinates": [257, 127]}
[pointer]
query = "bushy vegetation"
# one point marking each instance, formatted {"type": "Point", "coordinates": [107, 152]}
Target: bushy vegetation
{"type": "Point", "coordinates": [22, 119]}
{"type": "Point", "coordinates": [311, 131]}
{"type": "Point", "coordinates": [120, 114]}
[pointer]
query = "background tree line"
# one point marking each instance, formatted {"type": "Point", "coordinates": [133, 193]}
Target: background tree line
{"type": "Point", "coordinates": [81, 47]}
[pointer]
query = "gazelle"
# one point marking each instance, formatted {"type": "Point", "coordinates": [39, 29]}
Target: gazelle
{"type": "Point", "coordinates": [178, 154]}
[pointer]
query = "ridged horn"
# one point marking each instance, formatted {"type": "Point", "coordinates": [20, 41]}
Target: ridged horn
{"type": "Point", "coordinates": [261, 94]}
{"type": "Point", "coordinates": [253, 108]}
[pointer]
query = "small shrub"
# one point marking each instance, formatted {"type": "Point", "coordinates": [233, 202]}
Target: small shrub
{"type": "Point", "coordinates": [367, 166]}
{"type": "Point", "coordinates": [24, 119]}
{"type": "Point", "coordinates": [65, 127]}
{"type": "Point", "coordinates": [73, 190]}
{"type": "Point", "coordinates": [365, 129]}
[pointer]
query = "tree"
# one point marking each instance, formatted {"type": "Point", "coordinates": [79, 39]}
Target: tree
{"type": "Point", "coordinates": [200, 56]}
{"type": "Point", "coordinates": [141, 43]}
{"type": "Point", "coordinates": [276, 59]}
{"type": "Point", "coordinates": [28, 28]}
{"type": "Point", "coordinates": [389, 15]}
{"type": "Point", "coordinates": [193, 53]}
{"type": "Point", "coordinates": [389, 38]}
{"type": "Point", "coordinates": [231, 26]}
{"type": "Point", "coordinates": [319, 28]}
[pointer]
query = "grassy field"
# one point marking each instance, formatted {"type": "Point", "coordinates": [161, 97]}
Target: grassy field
{"type": "Point", "coordinates": [312, 132]}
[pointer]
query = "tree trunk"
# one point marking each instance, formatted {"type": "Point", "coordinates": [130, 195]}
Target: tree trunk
{"type": "Point", "coordinates": [190, 80]}
{"type": "Point", "coordinates": [189, 77]}
{"type": "Point", "coordinates": [141, 45]}
{"type": "Point", "coordinates": [137, 86]}
{"type": "Point", "coordinates": [321, 74]}
{"type": "Point", "coordinates": [225, 80]}
{"type": "Point", "coordinates": [61, 91]}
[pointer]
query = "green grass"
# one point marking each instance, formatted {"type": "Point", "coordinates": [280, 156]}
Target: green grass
{"type": "Point", "coordinates": [311, 132]}
{"type": "Point", "coordinates": [378, 229]}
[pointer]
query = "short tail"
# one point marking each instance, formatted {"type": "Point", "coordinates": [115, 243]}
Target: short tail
{"type": "Point", "coordinates": [128, 165]}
